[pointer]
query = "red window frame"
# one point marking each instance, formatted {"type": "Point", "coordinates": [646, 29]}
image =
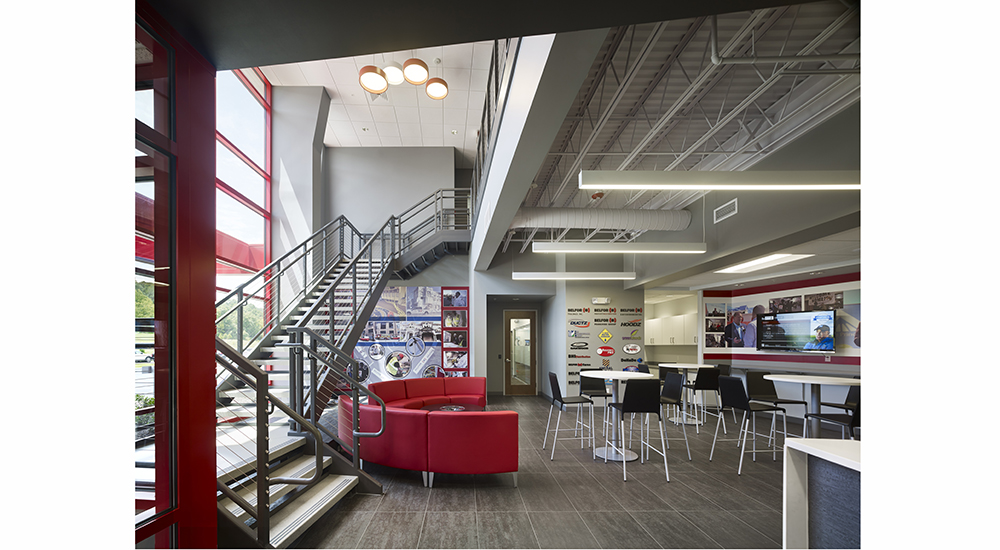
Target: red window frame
{"type": "Point", "coordinates": [265, 171]}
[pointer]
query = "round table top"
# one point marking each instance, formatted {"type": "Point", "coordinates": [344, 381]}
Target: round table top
{"type": "Point", "coordinates": [685, 366]}
{"type": "Point", "coordinates": [813, 379]}
{"type": "Point", "coordinates": [614, 374]}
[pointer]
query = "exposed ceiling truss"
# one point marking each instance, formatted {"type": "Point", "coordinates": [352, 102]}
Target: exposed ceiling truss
{"type": "Point", "coordinates": [708, 93]}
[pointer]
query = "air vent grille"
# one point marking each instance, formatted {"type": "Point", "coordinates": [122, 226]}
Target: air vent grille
{"type": "Point", "coordinates": [727, 210]}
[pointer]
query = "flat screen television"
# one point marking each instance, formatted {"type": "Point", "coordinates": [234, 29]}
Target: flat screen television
{"type": "Point", "coordinates": [805, 331]}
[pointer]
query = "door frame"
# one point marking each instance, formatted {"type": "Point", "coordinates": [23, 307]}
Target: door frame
{"type": "Point", "coordinates": [532, 315]}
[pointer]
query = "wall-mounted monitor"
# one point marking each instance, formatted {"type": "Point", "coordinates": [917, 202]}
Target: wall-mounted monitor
{"type": "Point", "coordinates": [804, 331]}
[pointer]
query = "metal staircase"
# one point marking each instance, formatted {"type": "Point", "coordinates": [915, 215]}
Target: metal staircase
{"type": "Point", "coordinates": [275, 381]}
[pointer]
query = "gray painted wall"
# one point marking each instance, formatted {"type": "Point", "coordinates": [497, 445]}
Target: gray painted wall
{"type": "Point", "coordinates": [369, 184]}
{"type": "Point", "coordinates": [298, 119]}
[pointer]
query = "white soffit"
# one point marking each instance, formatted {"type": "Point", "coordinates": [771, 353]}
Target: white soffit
{"type": "Point", "coordinates": [818, 180]}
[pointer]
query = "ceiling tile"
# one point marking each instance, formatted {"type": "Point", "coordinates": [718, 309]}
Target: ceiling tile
{"type": "Point", "coordinates": [477, 99]}
{"type": "Point", "coordinates": [408, 115]}
{"type": "Point", "coordinates": [338, 112]}
{"type": "Point", "coordinates": [431, 116]}
{"type": "Point", "coordinates": [432, 130]}
{"type": "Point", "coordinates": [289, 75]}
{"type": "Point", "coordinates": [316, 73]}
{"type": "Point", "coordinates": [359, 113]}
{"type": "Point", "coordinates": [391, 141]}
{"type": "Point", "coordinates": [458, 56]}
{"type": "Point", "coordinates": [456, 99]}
{"type": "Point", "coordinates": [455, 118]}
{"type": "Point", "coordinates": [458, 79]}
{"type": "Point", "coordinates": [370, 139]}
{"type": "Point", "coordinates": [404, 94]}
{"type": "Point", "coordinates": [410, 130]}
{"type": "Point", "coordinates": [387, 129]}
{"type": "Point", "coordinates": [479, 79]}
{"type": "Point", "coordinates": [271, 75]}
{"type": "Point", "coordinates": [411, 141]}
{"type": "Point", "coordinates": [482, 54]}
{"type": "Point", "coordinates": [383, 113]}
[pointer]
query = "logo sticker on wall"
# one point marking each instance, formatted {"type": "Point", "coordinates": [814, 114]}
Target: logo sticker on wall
{"type": "Point", "coordinates": [605, 351]}
{"type": "Point", "coordinates": [634, 335]}
{"type": "Point", "coordinates": [578, 334]}
{"type": "Point", "coordinates": [605, 336]}
{"type": "Point", "coordinates": [631, 349]}
{"type": "Point", "coordinates": [579, 323]}
{"type": "Point", "coordinates": [579, 345]}
{"type": "Point", "coordinates": [606, 362]}
{"type": "Point", "coordinates": [632, 323]}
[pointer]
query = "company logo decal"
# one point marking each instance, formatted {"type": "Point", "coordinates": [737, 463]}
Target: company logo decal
{"type": "Point", "coordinates": [634, 335]}
{"type": "Point", "coordinates": [630, 310]}
{"type": "Point", "coordinates": [578, 345]}
{"type": "Point", "coordinates": [604, 310]}
{"type": "Point", "coordinates": [579, 323]}
{"type": "Point", "coordinates": [605, 321]}
{"type": "Point", "coordinates": [578, 310]}
{"type": "Point", "coordinates": [578, 334]}
{"type": "Point", "coordinates": [605, 336]}
{"type": "Point", "coordinates": [632, 323]}
{"type": "Point", "coordinates": [628, 360]}
{"type": "Point", "coordinates": [631, 349]}
{"type": "Point", "coordinates": [606, 362]}
{"type": "Point", "coordinates": [579, 364]}
{"type": "Point", "coordinates": [571, 356]}
{"type": "Point", "coordinates": [605, 351]}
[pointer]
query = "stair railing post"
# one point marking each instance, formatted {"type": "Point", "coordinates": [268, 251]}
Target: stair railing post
{"type": "Point", "coordinates": [263, 466]}
{"type": "Point", "coordinates": [356, 423]}
{"type": "Point", "coordinates": [314, 346]}
{"type": "Point", "coordinates": [294, 377]}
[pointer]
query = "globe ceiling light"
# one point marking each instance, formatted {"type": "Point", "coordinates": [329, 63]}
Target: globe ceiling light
{"type": "Point", "coordinates": [437, 88]}
{"type": "Point", "coordinates": [415, 71]}
{"type": "Point", "coordinates": [393, 72]}
{"type": "Point", "coordinates": [373, 79]}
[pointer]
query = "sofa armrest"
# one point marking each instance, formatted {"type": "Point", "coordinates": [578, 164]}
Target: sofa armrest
{"type": "Point", "coordinates": [403, 444]}
{"type": "Point", "coordinates": [472, 442]}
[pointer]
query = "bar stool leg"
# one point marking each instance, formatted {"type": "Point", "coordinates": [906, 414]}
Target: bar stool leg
{"type": "Point", "coordinates": [547, 423]}
{"type": "Point", "coordinates": [555, 434]}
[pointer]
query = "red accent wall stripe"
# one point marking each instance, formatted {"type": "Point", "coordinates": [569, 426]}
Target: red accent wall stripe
{"type": "Point", "coordinates": [781, 358]}
{"type": "Point", "coordinates": [831, 280]}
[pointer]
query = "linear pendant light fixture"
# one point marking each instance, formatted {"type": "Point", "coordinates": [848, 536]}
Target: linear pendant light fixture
{"type": "Point", "coordinates": [791, 180]}
{"type": "Point", "coordinates": [572, 275]}
{"type": "Point", "coordinates": [619, 248]}
{"type": "Point", "coordinates": [765, 262]}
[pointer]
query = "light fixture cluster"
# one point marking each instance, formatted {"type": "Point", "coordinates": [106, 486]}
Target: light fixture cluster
{"type": "Point", "coordinates": [376, 79]}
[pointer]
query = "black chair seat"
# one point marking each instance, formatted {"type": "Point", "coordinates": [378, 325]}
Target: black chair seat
{"type": "Point", "coordinates": [764, 407]}
{"type": "Point", "coordinates": [670, 400]}
{"type": "Point", "coordinates": [574, 400]}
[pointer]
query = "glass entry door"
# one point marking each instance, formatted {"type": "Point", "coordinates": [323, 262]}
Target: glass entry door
{"type": "Point", "coordinates": [519, 353]}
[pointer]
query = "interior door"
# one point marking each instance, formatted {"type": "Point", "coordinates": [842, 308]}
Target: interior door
{"type": "Point", "coordinates": [519, 353]}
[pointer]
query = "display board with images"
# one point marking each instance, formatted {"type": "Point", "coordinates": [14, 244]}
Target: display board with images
{"type": "Point", "coordinates": [739, 328]}
{"type": "Point", "coordinates": [404, 337]}
{"type": "Point", "coordinates": [603, 337]}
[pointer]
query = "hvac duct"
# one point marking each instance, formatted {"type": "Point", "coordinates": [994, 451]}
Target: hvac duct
{"type": "Point", "coordinates": [601, 218]}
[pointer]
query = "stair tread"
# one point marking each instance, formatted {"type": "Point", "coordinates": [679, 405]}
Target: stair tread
{"type": "Point", "coordinates": [293, 520]}
{"type": "Point", "coordinates": [302, 466]}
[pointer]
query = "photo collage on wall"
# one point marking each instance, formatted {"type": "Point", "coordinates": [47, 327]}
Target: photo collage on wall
{"type": "Point", "coordinates": [734, 326]}
{"type": "Point", "coordinates": [605, 338]}
{"type": "Point", "coordinates": [455, 338]}
{"type": "Point", "coordinates": [404, 339]}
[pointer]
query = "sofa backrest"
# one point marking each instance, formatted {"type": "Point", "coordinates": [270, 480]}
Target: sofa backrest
{"type": "Point", "coordinates": [390, 390]}
{"type": "Point", "coordinates": [474, 385]}
{"type": "Point", "coordinates": [423, 387]}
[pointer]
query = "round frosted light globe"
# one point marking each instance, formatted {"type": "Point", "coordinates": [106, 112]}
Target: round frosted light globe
{"type": "Point", "coordinates": [393, 72]}
{"type": "Point", "coordinates": [437, 88]}
{"type": "Point", "coordinates": [372, 79]}
{"type": "Point", "coordinates": [415, 71]}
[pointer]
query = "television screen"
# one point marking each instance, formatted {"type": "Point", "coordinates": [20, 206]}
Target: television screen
{"type": "Point", "coordinates": [806, 331]}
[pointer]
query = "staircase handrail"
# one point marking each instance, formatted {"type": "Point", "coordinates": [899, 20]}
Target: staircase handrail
{"type": "Point", "coordinates": [257, 378]}
{"type": "Point", "coordinates": [393, 237]}
{"type": "Point", "coordinates": [356, 386]}
{"type": "Point", "coordinates": [239, 290]}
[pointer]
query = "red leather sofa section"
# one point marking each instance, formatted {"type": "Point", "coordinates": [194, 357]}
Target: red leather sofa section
{"type": "Point", "coordinates": [472, 442]}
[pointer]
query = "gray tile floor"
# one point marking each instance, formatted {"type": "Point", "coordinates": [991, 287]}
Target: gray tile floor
{"type": "Point", "coordinates": [571, 501]}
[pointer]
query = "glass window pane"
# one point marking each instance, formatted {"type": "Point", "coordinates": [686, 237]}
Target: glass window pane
{"type": "Point", "coordinates": [154, 490]}
{"type": "Point", "coordinates": [242, 239]}
{"type": "Point", "coordinates": [240, 117]}
{"type": "Point", "coordinates": [237, 174]}
{"type": "Point", "coordinates": [152, 82]}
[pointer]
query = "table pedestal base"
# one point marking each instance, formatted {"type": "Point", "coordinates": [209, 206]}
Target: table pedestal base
{"type": "Point", "coordinates": [615, 455]}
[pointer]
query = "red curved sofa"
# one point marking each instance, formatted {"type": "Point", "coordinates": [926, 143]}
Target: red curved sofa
{"type": "Point", "coordinates": [467, 442]}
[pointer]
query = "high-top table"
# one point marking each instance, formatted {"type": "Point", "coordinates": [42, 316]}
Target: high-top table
{"type": "Point", "coordinates": [815, 383]}
{"type": "Point", "coordinates": [615, 375]}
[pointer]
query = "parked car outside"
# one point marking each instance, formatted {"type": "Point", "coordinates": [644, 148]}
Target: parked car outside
{"type": "Point", "coordinates": [142, 357]}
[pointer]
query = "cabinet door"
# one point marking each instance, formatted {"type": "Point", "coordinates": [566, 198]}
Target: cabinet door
{"type": "Point", "coordinates": [690, 322]}
{"type": "Point", "coordinates": [652, 332]}
{"type": "Point", "coordinates": [673, 330]}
